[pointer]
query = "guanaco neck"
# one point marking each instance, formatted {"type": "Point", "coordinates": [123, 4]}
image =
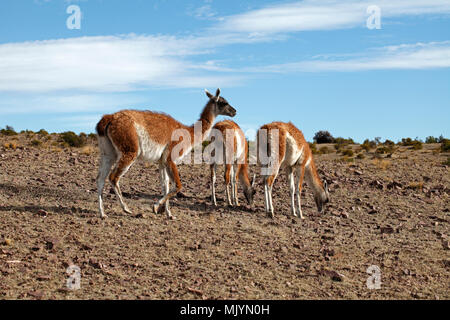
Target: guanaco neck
{"type": "Point", "coordinates": [313, 180]}
{"type": "Point", "coordinates": [243, 176]}
{"type": "Point", "coordinates": [206, 120]}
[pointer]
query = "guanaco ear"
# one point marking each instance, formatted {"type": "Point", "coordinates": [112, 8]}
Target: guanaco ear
{"type": "Point", "coordinates": [217, 95]}
{"type": "Point", "coordinates": [208, 94]}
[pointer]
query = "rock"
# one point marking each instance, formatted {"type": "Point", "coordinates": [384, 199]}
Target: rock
{"type": "Point", "coordinates": [95, 263]}
{"type": "Point", "coordinates": [387, 230]}
{"type": "Point", "coordinates": [334, 275]}
{"type": "Point", "coordinates": [38, 294]}
{"type": "Point", "coordinates": [8, 242]}
{"type": "Point", "coordinates": [51, 243]}
{"type": "Point", "coordinates": [395, 185]}
{"type": "Point", "coordinates": [42, 213]}
{"type": "Point", "coordinates": [86, 247]}
{"type": "Point", "coordinates": [377, 184]}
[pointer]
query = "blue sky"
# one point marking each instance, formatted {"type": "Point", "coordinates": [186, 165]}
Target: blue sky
{"type": "Point", "coordinates": [312, 62]}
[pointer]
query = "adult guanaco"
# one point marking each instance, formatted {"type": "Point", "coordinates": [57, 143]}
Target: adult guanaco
{"type": "Point", "coordinates": [128, 135]}
{"type": "Point", "coordinates": [292, 153]}
{"type": "Point", "coordinates": [235, 157]}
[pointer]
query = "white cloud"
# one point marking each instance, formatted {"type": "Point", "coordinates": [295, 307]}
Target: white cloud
{"type": "Point", "coordinates": [14, 103]}
{"type": "Point", "coordinates": [204, 12]}
{"type": "Point", "coordinates": [106, 63]}
{"type": "Point", "coordinates": [325, 14]}
{"type": "Point", "coordinates": [407, 57]}
{"type": "Point", "coordinates": [131, 62]}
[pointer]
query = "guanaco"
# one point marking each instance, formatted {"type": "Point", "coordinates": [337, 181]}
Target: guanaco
{"type": "Point", "coordinates": [128, 135]}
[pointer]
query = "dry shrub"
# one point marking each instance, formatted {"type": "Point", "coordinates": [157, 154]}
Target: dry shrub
{"type": "Point", "coordinates": [417, 185]}
{"type": "Point", "coordinates": [347, 159]}
{"type": "Point", "coordinates": [381, 164]}
{"type": "Point", "coordinates": [445, 147]}
{"type": "Point", "coordinates": [36, 143]}
{"type": "Point", "coordinates": [324, 150]}
{"type": "Point", "coordinates": [147, 164]}
{"type": "Point", "coordinates": [56, 149]}
{"type": "Point", "coordinates": [87, 150]}
{"type": "Point", "coordinates": [10, 145]}
{"type": "Point", "coordinates": [313, 148]}
{"type": "Point", "coordinates": [348, 152]}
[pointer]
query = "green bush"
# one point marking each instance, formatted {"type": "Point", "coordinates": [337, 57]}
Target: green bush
{"type": "Point", "coordinates": [323, 137]}
{"type": "Point", "coordinates": [343, 141]}
{"type": "Point", "coordinates": [313, 148]}
{"type": "Point", "coordinates": [8, 131]}
{"type": "Point", "coordinates": [324, 150]}
{"type": "Point", "coordinates": [73, 140]}
{"type": "Point", "coordinates": [415, 144]}
{"type": "Point", "coordinates": [445, 147]}
{"type": "Point", "coordinates": [42, 132]}
{"type": "Point", "coordinates": [368, 145]}
{"type": "Point", "coordinates": [36, 143]}
{"type": "Point", "coordinates": [431, 139]}
{"type": "Point", "coordinates": [348, 153]}
{"type": "Point", "coordinates": [381, 150]}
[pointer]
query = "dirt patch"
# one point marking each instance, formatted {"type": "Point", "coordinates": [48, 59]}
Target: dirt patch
{"type": "Point", "coordinates": [394, 216]}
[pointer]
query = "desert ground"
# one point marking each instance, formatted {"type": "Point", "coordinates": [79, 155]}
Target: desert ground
{"type": "Point", "coordinates": [391, 211]}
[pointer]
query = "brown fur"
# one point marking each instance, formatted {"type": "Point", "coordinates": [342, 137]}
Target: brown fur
{"type": "Point", "coordinates": [120, 131]}
{"type": "Point", "coordinates": [241, 167]}
{"type": "Point", "coordinates": [103, 123]}
{"type": "Point", "coordinates": [284, 129]}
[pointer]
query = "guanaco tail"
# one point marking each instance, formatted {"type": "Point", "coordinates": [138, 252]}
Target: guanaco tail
{"type": "Point", "coordinates": [294, 156]}
{"type": "Point", "coordinates": [129, 135]}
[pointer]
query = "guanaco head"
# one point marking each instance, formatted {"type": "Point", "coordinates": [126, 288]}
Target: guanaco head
{"type": "Point", "coordinates": [250, 191]}
{"type": "Point", "coordinates": [222, 107]}
{"type": "Point", "coordinates": [322, 198]}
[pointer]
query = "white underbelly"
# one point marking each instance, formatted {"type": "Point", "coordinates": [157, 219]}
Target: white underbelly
{"type": "Point", "coordinates": [149, 150]}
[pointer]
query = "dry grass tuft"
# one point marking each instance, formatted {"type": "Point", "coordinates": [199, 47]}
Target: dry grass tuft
{"type": "Point", "coordinates": [416, 185]}
{"type": "Point", "coordinates": [381, 164]}
{"type": "Point", "coordinates": [10, 145]}
{"type": "Point", "coordinates": [87, 150]}
{"type": "Point", "coordinates": [56, 149]}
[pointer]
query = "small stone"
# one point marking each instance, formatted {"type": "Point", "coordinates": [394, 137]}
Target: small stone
{"type": "Point", "coordinates": [42, 213]}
